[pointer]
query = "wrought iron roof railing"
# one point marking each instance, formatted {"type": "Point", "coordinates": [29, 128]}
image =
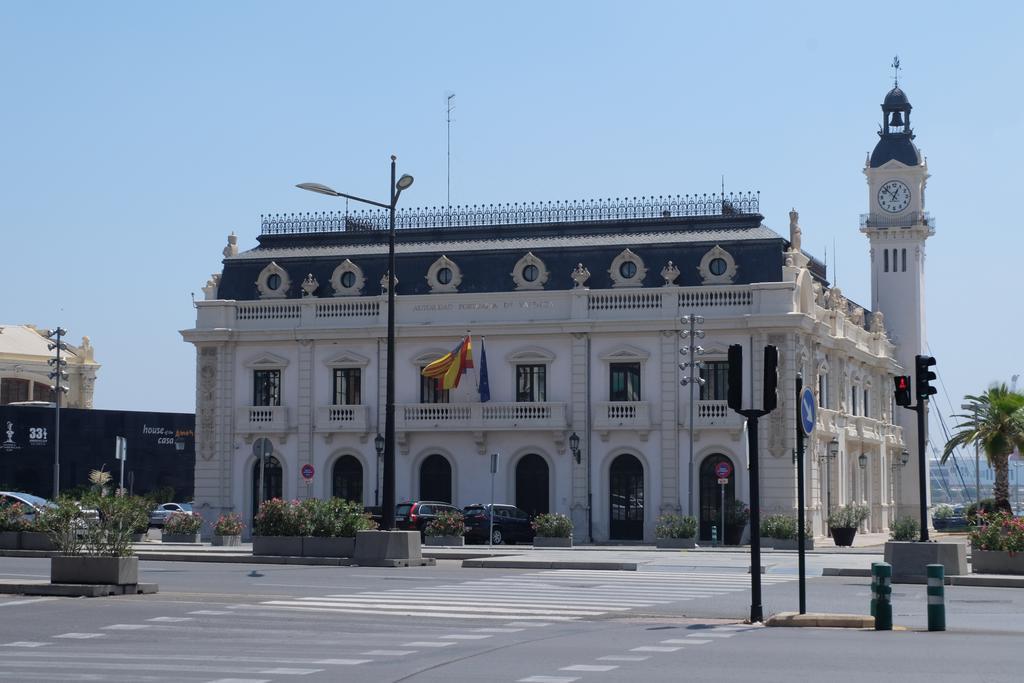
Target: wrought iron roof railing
{"type": "Point", "coordinates": [515, 214]}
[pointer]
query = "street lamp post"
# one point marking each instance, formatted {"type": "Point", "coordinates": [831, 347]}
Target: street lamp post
{"type": "Point", "coordinates": [58, 376]}
{"type": "Point", "coordinates": [378, 443]}
{"type": "Point", "coordinates": [574, 447]}
{"type": "Point", "coordinates": [896, 466]}
{"type": "Point", "coordinates": [395, 190]}
{"type": "Point", "coordinates": [831, 453]}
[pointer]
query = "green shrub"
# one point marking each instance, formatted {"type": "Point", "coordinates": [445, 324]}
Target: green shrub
{"type": "Point", "coordinates": [12, 517]}
{"type": "Point", "coordinates": [905, 529]}
{"type": "Point", "coordinates": [552, 525]}
{"type": "Point", "coordinates": [277, 517]}
{"type": "Point", "coordinates": [848, 516]}
{"type": "Point", "coordinates": [446, 523]}
{"type": "Point", "coordinates": [183, 523]}
{"type": "Point", "coordinates": [781, 527]}
{"type": "Point", "coordinates": [998, 531]}
{"type": "Point", "coordinates": [676, 526]}
{"type": "Point", "coordinates": [737, 513]}
{"type": "Point", "coordinates": [942, 511]}
{"type": "Point", "coordinates": [985, 505]}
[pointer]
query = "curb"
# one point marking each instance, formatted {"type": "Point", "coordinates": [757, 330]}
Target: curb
{"type": "Point", "coordinates": [978, 580]}
{"type": "Point", "coordinates": [820, 620]}
{"type": "Point", "coordinates": [77, 590]}
{"type": "Point", "coordinates": [541, 564]}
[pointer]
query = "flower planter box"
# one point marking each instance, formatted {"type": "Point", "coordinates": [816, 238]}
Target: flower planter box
{"type": "Point", "coordinates": [787, 543]}
{"type": "Point", "coordinates": [36, 540]}
{"type": "Point", "coordinates": [138, 538]}
{"type": "Point", "coordinates": [181, 538]}
{"type": "Point", "coordinates": [910, 559]}
{"type": "Point", "coordinates": [9, 540]}
{"type": "Point", "coordinates": [290, 546]}
{"type": "Point", "coordinates": [675, 543]}
{"type": "Point", "coordinates": [733, 534]}
{"type": "Point", "coordinates": [226, 540]}
{"type": "Point", "coordinates": [98, 570]}
{"type": "Point", "coordinates": [444, 540]}
{"type": "Point", "coordinates": [552, 542]}
{"type": "Point", "coordinates": [335, 546]}
{"type": "Point", "coordinates": [843, 536]}
{"type": "Point", "coordinates": [996, 562]}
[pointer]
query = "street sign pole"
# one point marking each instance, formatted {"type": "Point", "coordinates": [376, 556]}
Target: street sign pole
{"type": "Point", "coordinates": [494, 471]}
{"type": "Point", "coordinates": [121, 454]}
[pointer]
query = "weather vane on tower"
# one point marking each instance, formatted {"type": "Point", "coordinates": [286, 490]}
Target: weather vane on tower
{"type": "Point", "coordinates": [896, 71]}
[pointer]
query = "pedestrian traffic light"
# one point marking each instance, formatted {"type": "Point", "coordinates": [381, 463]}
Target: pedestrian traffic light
{"type": "Point", "coordinates": [735, 394]}
{"type": "Point", "coordinates": [771, 378]}
{"type": "Point", "coordinates": [924, 377]}
{"type": "Point", "coordinates": [902, 392]}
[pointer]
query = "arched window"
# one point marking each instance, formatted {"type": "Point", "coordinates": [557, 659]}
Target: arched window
{"type": "Point", "coordinates": [347, 479]}
{"type": "Point", "coordinates": [532, 484]}
{"type": "Point", "coordinates": [273, 482]}
{"type": "Point", "coordinates": [436, 479]}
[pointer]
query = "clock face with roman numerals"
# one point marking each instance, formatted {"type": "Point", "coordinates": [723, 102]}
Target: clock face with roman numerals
{"type": "Point", "coordinates": [894, 196]}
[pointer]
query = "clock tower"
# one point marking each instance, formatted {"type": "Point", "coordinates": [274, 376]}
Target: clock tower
{"type": "Point", "coordinates": [897, 227]}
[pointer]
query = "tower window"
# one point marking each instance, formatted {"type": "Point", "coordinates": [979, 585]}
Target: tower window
{"type": "Point", "coordinates": [904, 260]}
{"type": "Point", "coordinates": [885, 257]}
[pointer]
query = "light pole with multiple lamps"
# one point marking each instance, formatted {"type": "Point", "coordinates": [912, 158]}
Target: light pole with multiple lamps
{"type": "Point", "coordinates": [395, 190]}
{"type": "Point", "coordinates": [58, 387]}
{"type": "Point", "coordinates": [692, 377]}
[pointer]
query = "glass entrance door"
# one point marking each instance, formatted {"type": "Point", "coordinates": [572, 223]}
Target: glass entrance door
{"type": "Point", "coordinates": [626, 498]}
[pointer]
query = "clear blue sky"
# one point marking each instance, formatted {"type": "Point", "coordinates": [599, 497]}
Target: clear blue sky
{"type": "Point", "coordinates": [138, 135]}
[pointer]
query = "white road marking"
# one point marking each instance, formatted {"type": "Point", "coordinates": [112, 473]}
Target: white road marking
{"type": "Point", "coordinates": [25, 643]}
{"type": "Point", "coordinates": [125, 627]}
{"type": "Point", "coordinates": [426, 643]}
{"type": "Point", "coordinates": [388, 653]}
{"type": "Point", "coordinates": [81, 636]}
{"type": "Point", "coordinates": [697, 640]}
{"type": "Point", "coordinates": [171, 619]}
{"type": "Point", "coordinates": [549, 679]}
{"type": "Point", "coordinates": [527, 623]}
{"type": "Point", "coordinates": [496, 629]}
{"type": "Point", "coordinates": [15, 603]}
{"type": "Point", "coordinates": [589, 667]}
{"type": "Point", "coordinates": [466, 636]}
{"type": "Point", "coordinates": [655, 648]}
{"type": "Point", "coordinates": [623, 658]}
{"type": "Point", "coordinates": [211, 612]}
{"type": "Point", "coordinates": [421, 605]}
{"type": "Point", "coordinates": [240, 680]}
{"type": "Point", "coordinates": [285, 671]}
{"type": "Point", "coordinates": [417, 613]}
{"type": "Point", "coordinates": [342, 662]}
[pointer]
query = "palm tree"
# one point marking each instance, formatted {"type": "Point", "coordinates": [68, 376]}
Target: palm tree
{"type": "Point", "coordinates": [996, 424]}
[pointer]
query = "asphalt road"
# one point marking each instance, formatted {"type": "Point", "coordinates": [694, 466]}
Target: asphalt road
{"type": "Point", "coordinates": [234, 623]}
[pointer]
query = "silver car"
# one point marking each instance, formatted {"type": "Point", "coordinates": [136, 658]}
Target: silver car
{"type": "Point", "coordinates": [162, 513]}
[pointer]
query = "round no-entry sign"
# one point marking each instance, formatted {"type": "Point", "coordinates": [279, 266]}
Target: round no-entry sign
{"type": "Point", "coordinates": [723, 469]}
{"type": "Point", "coordinates": [308, 472]}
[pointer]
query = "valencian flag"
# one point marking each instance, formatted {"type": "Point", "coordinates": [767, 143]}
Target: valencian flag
{"type": "Point", "coordinates": [449, 368]}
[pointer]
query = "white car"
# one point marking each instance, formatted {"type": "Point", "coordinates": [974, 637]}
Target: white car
{"type": "Point", "coordinates": [160, 515]}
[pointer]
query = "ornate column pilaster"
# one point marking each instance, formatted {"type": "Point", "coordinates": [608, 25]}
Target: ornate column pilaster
{"type": "Point", "coordinates": [304, 415]}
{"type": "Point", "coordinates": [669, 400]}
{"type": "Point", "coordinates": [578, 392]}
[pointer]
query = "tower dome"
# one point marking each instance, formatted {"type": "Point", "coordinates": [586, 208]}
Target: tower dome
{"type": "Point", "coordinates": [896, 139]}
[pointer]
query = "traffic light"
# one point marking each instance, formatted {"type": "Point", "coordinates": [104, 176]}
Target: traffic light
{"type": "Point", "coordinates": [902, 392]}
{"type": "Point", "coordinates": [924, 377]}
{"type": "Point", "coordinates": [771, 378]}
{"type": "Point", "coordinates": [735, 394]}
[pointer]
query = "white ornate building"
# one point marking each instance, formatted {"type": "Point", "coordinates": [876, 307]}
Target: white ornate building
{"type": "Point", "coordinates": [580, 305]}
{"type": "Point", "coordinates": [25, 373]}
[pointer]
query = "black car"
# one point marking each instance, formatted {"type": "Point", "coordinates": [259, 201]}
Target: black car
{"type": "Point", "coordinates": [511, 525]}
{"type": "Point", "coordinates": [416, 515]}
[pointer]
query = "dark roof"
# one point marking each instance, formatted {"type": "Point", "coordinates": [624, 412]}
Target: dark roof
{"type": "Point", "coordinates": [895, 146]}
{"type": "Point", "coordinates": [487, 255]}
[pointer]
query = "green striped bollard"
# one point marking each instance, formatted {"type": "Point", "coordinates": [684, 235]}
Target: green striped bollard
{"type": "Point", "coordinates": [936, 597]}
{"type": "Point", "coordinates": [883, 588]}
{"type": "Point", "coordinates": [874, 589]}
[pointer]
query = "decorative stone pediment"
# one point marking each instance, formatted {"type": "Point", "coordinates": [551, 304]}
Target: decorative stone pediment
{"type": "Point", "coordinates": [347, 359]}
{"type": "Point", "coordinates": [348, 279]}
{"type": "Point", "coordinates": [625, 354]}
{"type": "Point", "coordinates": [717, 267]}
{"type": "Point", "coordinates": [267, 361]}
{"type": "Point", "coordinates": [526, 267]}
{"type": "Point", "coordinates": [531, 354]}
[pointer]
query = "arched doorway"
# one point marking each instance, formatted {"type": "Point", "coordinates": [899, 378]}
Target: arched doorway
{"type": "Point", "coordinates": [532, 485]}
{"type": "Point", "coordinates": [273, 482]}
{"type": "Point", "coordinates": [711, 496]}
{"type": "Point", "coordinates": [626, 498]}
{"type": "Point", "coordinates": [347, 479]}
{"type": "Point", "coordinates": [436, 479]}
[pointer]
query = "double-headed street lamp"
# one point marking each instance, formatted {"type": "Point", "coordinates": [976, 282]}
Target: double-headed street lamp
{"type": "Point", "coordinates": [395, 190]}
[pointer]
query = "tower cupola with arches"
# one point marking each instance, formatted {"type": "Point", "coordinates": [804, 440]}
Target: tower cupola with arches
{"type": "Point", "coordinates": [897, 227]}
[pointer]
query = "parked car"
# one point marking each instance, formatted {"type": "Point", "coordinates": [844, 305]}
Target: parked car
{"type": "Point", "coordinates": [160, 515]}
{"type": "Point", "coordinates": [32, 505]}
{"type": "Point", "coordinates": [416, 515]}
{"type": "Point", "coordinates": [511, 525]}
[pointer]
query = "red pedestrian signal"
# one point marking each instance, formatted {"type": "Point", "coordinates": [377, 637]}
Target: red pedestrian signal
{"type": "Point", "coordinates": [902, 393]}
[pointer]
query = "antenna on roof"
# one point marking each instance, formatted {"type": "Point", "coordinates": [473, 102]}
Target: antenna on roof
{"type": "Point", "coordinates": [451, 105]}
{"type": "Point", "coordinates": [896, 71]}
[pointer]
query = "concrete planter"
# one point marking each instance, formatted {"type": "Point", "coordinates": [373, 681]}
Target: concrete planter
{"type": "Point", "coordinates": [138, 538]}
{"type": "Point", "coordinates": [98, 570]}
{"type": "Point", "coordinates": [909, 558]}
{"type": "Point", "coordinates": [552, 542]}
{"type": "Point", "coordinates": [444, 540]}
{"type": "Point", "coordinates": [9, 540]}
{"type": "Point", "coordinates": [226, 540]}
{"type": "Point", "coordinates": [335, 546]}
{"type": "Point", "coordinates": [290, 546]}
{"type": "Point", "coordinates": [996, 562]}
{"type": "Point", "coordinates": [787, 543]}
{"type": "Point", "coordinates": [843, 536]}
{"type": "Point", "coordinates": [377, 548]}
{"type": "Point", "coordinates": [181, 538]}
{"type": "Point", "coordinates": [675, 543]}
{"type": "Point", "coordinates": [36, 540]}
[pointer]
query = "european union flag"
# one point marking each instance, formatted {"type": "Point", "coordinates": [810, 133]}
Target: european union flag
{"type": "Point", "coordinates": [485, 383]}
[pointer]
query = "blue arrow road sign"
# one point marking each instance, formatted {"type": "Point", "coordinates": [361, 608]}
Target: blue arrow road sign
{"type": "Point", "coordinates": [808, 411]}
